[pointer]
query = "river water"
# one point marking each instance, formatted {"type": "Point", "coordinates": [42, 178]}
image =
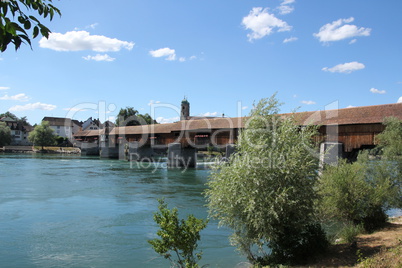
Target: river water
{"type": "Point", "coordinates": [71, 211]}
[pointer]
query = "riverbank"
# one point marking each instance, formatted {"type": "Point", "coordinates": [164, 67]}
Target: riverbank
{"type": "Point", "coordinates": [38, 149]}
{"type": "Point", "coordinates": [380, 249]}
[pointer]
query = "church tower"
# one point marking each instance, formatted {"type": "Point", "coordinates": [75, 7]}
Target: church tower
{"type": "Point", "coordinates": [185, 109]}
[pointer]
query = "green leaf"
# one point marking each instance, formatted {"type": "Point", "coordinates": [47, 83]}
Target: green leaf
{"type": "Point", "coordinates": [44, 30]}
{"type": "Point", "coordinates": [5, 9]}
{"type": "Point", "coordinates": [51, 11]}
{"type": "Point", "coordinates": [21, 19]}
{"type": "Point", "coordinates": [34, 19]}
{"type": "Point", "coordinates": [27, 25]}
{"type": "Point", "coordinates": [35, 32]}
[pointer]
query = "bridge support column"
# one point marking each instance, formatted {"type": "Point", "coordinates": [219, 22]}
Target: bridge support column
{"type": "Point", "coordinates": [230, 149]}
{"type": "Point", "coordinates": [108, 150]}
{"type": "Point", "coordinates": [89, 148]}
{"type": "Point", "coordinates": [179, 157]}
{"type": "Point", "coordinates": [139, 153]}
{"type": "Point", "coordinates": [330, 152]}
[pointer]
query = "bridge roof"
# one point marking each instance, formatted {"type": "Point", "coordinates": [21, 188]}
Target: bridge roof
{"type": "Point", "coordinates": [347, 116]}
{"type": "Point", "coordinates": [351, 116]}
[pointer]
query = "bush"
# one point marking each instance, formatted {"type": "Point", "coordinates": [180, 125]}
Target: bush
{"type": "Point", "coordinates": [298, 248]}
{"type": "Point", "coordinates": [177, 236]}
{"type": "Point", "coordinates": [349, 232]}
{"type": "Point", "coordinates": [360, 192]}
{"type": "Point", "coordinates": [265, 192]}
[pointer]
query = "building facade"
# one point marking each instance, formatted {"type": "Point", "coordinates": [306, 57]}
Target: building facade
{"type": "Point", "coordinates": [19, 132]}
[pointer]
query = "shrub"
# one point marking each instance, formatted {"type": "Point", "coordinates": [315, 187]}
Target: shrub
{"type": "Point", "coordinates": [177, 236]}
{"type": "Point", "coordinates": [360, 192]}
{"type": "Point", "coordinates": [265, 192]}
{"type": "Point", "coordinates": [349, 232]}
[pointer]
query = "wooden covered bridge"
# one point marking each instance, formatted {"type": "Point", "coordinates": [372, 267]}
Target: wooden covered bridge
{"type": "Point", "coordinates": [352, 129]}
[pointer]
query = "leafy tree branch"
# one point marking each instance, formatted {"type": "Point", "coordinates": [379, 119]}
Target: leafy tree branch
{"type": "Point", "coordinates": [15, 22]}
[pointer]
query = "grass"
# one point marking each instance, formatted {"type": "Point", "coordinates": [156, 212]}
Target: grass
{"type": "Point", "coordinates": [386, 258]}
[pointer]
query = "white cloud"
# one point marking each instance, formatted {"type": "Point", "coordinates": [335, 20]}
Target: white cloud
{"type": "Point", "coordinates": [308, 102]}
{"type": "Point", "coordinates": [376, 91]}
{"type": "Point", "coordinates": [182, 59]}
{"type": "Point", "coordinates": [162, 120]}
{"type": "Point", "coordinates": [399, 100]}
{"type": "Point", "coordinates": [170, 54]}
{"type": "Point", "coordinates": [209, 114]}
{"type": "Point", "coordinates": [244, 107]}
{"type": "Point", "coordinates": [18, 97]}
{"type": "Point", "coordinates": [151, 102]}
{"type": "Point", "coordinates": [284, 8]}
{"type": "Point", "coordinates": [4, 88]}
{"type": "Point", "coordinates": [345, 67]}
{"type": "Point", "coordinates": [93, 25]}
{"type": "Point", "coordinates": [350, 106]}
{"type": "Point", "coordinates": [352, 41]}
{"type": "Point", "coordinates": [193, 58]}
{"type": "Point", "coordinates": [291, 39]}
{"type": "Point", "coordinates": [82, 40]}
{"type": "Point", "coordinates": [33, 106]}
{"type": "Point", "coordinates": [261, 23]}
{"type": "Point", "coordinates": [339, 30]}
{"type": "Point", "coordinates": [99, 57]}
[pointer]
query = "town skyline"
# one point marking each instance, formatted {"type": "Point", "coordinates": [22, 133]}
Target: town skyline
{"type": "Point", "coordinates": [221, 57]}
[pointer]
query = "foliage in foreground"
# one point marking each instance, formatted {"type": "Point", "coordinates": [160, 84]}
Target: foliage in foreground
{"type": "Point", "coordinates": [178, 238]}
{"type": "Point", "coordinates": [42, 135]}
{"type": "Point", "coordinates": [361, 192]}
{"type": "Point", "coordinates": [390, 140]}
{"type": "Point", "coordinates": [14, 22]}
{"type": "Point", "coordinates": [266, 191]}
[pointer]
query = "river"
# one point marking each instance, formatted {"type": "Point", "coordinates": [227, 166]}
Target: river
{"type": "Point", "coordinates": [71, 211]}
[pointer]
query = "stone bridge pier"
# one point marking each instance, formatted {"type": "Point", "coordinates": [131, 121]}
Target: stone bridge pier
{"type": "Point", "coordinates": [108, 149]}
{"type": "Point", "coordinates": [89, 148]}
{"type": "Point", "coordinates": [330, 152]}
{"type": "Point", "coordinates": [136, 152]}
{"type": "Point", "coordinates": [181, 157]}
{"type": "Point", "coordinates": [230, 149]}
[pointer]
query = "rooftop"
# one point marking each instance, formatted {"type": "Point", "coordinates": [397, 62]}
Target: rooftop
{"type": "Point", "coordinates": [347, 116]}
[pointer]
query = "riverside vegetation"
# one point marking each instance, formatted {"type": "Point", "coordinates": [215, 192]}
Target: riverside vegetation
{"type": "Point", "coordinates": [273, 198]}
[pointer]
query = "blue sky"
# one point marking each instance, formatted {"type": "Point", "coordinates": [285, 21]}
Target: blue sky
{"type": "Point", "coordinates": [222, 55]}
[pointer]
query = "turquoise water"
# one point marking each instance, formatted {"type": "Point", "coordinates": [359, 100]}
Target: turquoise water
{"type": "Point", "coordinates": [70, 211]}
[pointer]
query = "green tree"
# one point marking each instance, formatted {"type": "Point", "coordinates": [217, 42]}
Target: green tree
{"type": "Point", "coordinates": [15, 22]}
{"type": "Point", "coordinates": [10, 115]}
{"type": "Point", "coordinates": [42, 135]}
{"type": "Point", "coordinates": [178, 238]}
{"type": "Point", "coordinates": [147, 119]}
{"type": "Point", "coordinates": [5, 134]}
{"type": "Point", "coordinates": [23, 120]}
{"type": "Point", "coordinates": [390, 140]}
{"type": "Point", "coordinates": [130, 117]}
{"type": "Point", "coordinates": [265, 192]}
{"type": "Point", "coordinates": [361, 192]}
